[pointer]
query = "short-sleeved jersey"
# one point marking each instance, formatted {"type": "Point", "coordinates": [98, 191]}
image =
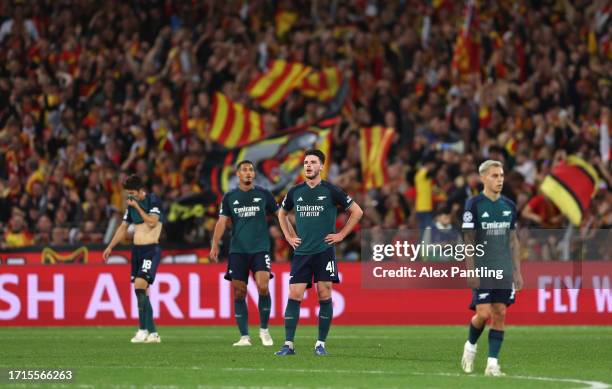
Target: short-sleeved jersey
{"type": "Point", "coordinates": [315, 213]}
{"type": "Point", "coordinates": [492, 221]}
{"type": "Point", "coordinates": [151, 204]}
{"type": "Point", "coordinates": [248, 210]}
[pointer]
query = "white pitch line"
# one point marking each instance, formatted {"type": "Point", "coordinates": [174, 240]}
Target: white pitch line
{"type": "Point", "coordinates": [587, 384]}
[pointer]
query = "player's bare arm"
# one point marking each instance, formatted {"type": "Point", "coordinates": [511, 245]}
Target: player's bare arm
{"type": "Point", "coordinates": [355, 215]}
{"type": "Point", "coordinates": [219, 231]}
{"type": "Point", "coordinates": [516, 260]}
{"type": "Point", "coordinates": [290, 235]}
{"type": "Point", "coordinates": [118, 237]}
{"type": "Point", "coordinates": [470, 238]}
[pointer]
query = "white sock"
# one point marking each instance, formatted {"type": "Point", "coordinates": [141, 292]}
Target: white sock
{"type": "Point", "coordinates": [470, 346]}
{"type": "Point", "coordinates": [264, 330]}
{"type": "Point", "coordinates": [290, 344]}
{"type": "Point", "coordinates": [154, 333]}
{"type": "Point", "coordinates": [491, 361]}
{"type": "Point", "coordinates": [319, 343]}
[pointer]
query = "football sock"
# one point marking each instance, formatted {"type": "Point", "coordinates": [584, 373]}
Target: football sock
{"type": "Point", "coordinates": [242, 316]}
{"type": "Point", "coordinates": [326, 312]}
{"type": "Point", "coordinates": [496, 338]}
{"type": "Point", "coordinates": [474, 333]}
{"type": "Point", "coordinates": [149, 315]}
{"type": "Point", "coordinates": [141, 294]}
{"type": "Point", "coordinates": [292, 315]}
{"type": "Point", "coordinates": [264, 305]}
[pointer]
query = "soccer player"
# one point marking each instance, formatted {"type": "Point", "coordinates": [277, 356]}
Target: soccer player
{"type": "Point", "coordinates": [247, 206]}
{"type": "Point", "coordinates": [490, 219]}
{"type": "Point", "coordinates": [144, 211]}
{"type": "Point", "coordinates": [315, 202]}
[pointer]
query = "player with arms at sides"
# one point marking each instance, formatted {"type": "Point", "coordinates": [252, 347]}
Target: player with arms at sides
{"type": "Point", "coordinates": [247, 207]}
{"type": "Point", "coordinates": [315, 202]}
{"type": "Point", "coordinates": [489, 219]}
{"type": "Point", "coordinates": [144, 211]}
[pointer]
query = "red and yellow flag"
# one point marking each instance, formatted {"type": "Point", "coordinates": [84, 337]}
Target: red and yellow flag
{"type": "Point", "coordinates": [571, 186]}
{"type": "Point", "coordinates": [322, 85]}
{"type": "Point", "coordinates": [374, 145]}
{"type": "Point", "coordinates": [272, 88]}
{"type": "Point", "coordinates": [284, 21]}
{"type": "Point", "coordinates": [466, 52]}
{"type": "Point", "coordinates": [233, 125]}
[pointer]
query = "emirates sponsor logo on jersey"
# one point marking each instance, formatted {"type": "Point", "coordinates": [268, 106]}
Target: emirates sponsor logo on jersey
{"type": "Point", "coordinates": [247, 211]}
{"type": "Point", "coordinates": [495, 228]}
{"type": "Point", "coordinates": [309, 210]}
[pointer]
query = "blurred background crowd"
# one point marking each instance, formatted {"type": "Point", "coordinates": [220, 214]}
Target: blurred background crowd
{"type": "Point", "coordinates": [92, 91]}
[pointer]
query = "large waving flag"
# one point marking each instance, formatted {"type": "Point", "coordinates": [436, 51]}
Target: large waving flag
{"type": "Point", "coordinates": [322, 85]}
{"type": "Point", "coordinates": [272, 88]}
{"type": "Point", "coordinates": [374, 145]}
{"type": "Point", "coordinates": [233, 125]}
{"type": "Point", "coordinates": [278, 160]}
{"type": "Point", "coordinates": [571, 186]}
{"type": "Point", "coordinates": [466, 52]}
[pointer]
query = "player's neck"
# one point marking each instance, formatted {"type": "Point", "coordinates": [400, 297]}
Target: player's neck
{"type": "Point", "coordinates": [245, 188]}
{"type": "Point", "coordinates": [491, 195]}
{"type": "Point", "coordinates": [313, 182]}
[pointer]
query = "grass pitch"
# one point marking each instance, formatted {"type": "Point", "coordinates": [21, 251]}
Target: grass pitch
{"type": "Point", "coordinates": [359, 357]}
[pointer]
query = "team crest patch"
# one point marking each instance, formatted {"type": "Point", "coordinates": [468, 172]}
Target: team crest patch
{"type": "Point", "coordinates": [467, 216]}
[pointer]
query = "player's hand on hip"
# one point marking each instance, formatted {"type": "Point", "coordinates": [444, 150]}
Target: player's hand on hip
{"type": "Point", "coordinates": [106, 254]}
{"type": "Point", "coordinates": [518, 281]}
{"type": "Point", "coordinates": [473, 282]}
{"type": "Point", "coordinates": [214, 254]}
{"type": "Point", "coordinates": [294, 241]}
{"type": "Point", "coordinates": [334, 238]}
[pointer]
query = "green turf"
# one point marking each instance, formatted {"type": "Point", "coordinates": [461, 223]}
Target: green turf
{"type": "Point", "coordinates": [364, 357]}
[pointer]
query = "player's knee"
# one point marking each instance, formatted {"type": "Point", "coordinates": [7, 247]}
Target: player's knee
{"type": "Point", "coordinates": [324, 293]}
{"type": "Point", "coordinates": [240, 291]}
{"type": "Point", "coordinates": [498, 316]}
{"type": "Point", "coordinates": [140, 283]}
{"type": "Point", "coordinates": [262, 288]}
{"type": "Point", "coordinates": [483, 315]}
{"type": "Point", "coordinates": [296, 295]}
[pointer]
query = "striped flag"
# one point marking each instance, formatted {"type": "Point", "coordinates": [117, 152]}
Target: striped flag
{"type": "Point", "coordinates": [466, 52]}
{"type": "Point", "coordinates": [278, 160]}
{"type": "Point", "coordinates": [233, 125]}
{"type": "Point", "coordinates": [272, 88]}
{"type": "Point", "coordinates": [322, 85]}
{"type": "Point", "coordinates": [571, 186]}
{"type": "Point", "coordinates": [374, 145]}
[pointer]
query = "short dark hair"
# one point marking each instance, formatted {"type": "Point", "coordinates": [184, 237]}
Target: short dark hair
{"type": "Point", "coordinates": [317, 153]}
{"type": "Point", "coordinates": [244, 162]}
{"type": "Point", "coordinates": [133, 182]}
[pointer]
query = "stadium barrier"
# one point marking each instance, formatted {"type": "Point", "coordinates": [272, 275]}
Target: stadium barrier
{"type": "Point", "coordinates": [196, 294]}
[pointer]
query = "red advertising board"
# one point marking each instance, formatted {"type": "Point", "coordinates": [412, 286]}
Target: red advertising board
{"type": "Point", "coordinates": [190, 294]}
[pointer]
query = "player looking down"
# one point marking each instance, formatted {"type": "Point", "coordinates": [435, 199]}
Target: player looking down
{"type": "Point", "coordinates": [315, 205]}
{"type": "Point", "coordinates": [247, 207]}
{"type": "Point", "coordinates": [144, 211]}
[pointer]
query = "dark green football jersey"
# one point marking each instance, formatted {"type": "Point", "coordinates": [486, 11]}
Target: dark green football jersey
{"type": "Point", "coordinates": [248, 213]}
{"type": "Point", "coordinates": [151, 204]}
{"type": "Point", "coordinates": [493, 222]}
{"type": "Point", "coordinates": [315, 213]}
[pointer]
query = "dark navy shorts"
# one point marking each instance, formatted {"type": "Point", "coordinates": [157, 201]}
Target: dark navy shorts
{"type": "Point", "coordinates": [239, 265]}
{"type": "Point", "coordinates": [321, 266]}
{"type": "Point", "coordinates": [145, 259]}
{"type": "Point", "coordinates": [491, 296]}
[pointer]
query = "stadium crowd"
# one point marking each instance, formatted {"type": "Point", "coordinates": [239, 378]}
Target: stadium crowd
{"type": "Point", "coordinates": [90, 92]}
